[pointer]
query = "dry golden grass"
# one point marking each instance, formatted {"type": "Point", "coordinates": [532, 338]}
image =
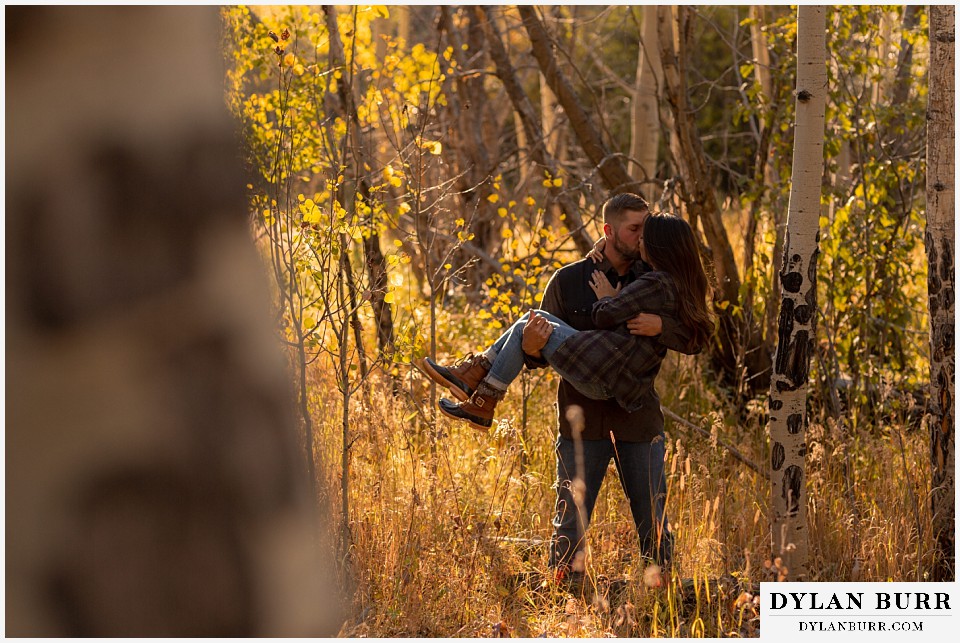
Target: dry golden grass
{"type": "Point", "coordinates": [448, 529]}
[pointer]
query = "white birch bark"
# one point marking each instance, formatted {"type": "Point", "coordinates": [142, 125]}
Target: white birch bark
{"type": "Point", "coordinates": [798, 305]}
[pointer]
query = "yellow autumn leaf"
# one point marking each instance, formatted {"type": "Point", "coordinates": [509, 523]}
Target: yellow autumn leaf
{"type": "Point", "coordinates": [388, 298]}
{"type": "Point", "coordinates": [493, 198]}
{"type": "Point", "coordinates": [289, 59]}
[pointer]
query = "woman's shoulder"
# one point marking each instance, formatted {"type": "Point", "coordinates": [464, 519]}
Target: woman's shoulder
{"type": "Point", "coordinates": [660, 284]}
{"type": "Point", "coordinates": [658, 277]}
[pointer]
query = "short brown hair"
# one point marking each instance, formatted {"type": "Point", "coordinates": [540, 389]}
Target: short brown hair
{"type": "Point", "coordinates": [615, 206]}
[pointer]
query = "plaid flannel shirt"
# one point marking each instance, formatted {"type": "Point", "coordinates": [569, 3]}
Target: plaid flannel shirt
{"type": "Point", "coordinates": [624, 364]}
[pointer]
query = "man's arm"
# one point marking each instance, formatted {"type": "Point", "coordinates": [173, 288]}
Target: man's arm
{"type": "Point", "coordinates": [672, 334]}
{"type": "Point", "coordinates": [678, 337]}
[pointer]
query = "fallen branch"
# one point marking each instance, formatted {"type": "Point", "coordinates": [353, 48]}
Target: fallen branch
{"type": "Point", "coordinates": [733, 451]}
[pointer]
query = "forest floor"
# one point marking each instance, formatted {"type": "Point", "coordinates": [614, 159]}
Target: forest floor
{"type": "Point", "coordinates": [448, 526]}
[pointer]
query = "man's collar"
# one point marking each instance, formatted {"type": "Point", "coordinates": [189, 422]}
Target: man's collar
{"type": "Point", "coordinates": [604, 266]}
{"type": "Point", "coordinates": [637, 267]}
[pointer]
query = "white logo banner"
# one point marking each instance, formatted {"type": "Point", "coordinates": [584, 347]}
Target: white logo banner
{"type": "Point", "coordinates": [859, 611]}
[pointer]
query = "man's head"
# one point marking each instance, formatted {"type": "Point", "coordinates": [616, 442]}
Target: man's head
{"type": "Point", "coordinates": [623, 218]}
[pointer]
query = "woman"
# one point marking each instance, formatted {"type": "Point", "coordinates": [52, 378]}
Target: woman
{"type": "Point", "coordinates": [601, 364]}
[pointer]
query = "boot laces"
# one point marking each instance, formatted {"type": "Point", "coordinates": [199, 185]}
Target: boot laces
{"type": "Point", "coordinates": [467, 360]}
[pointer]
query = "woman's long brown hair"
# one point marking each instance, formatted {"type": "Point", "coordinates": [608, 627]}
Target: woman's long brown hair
{"type": "Point", "coordinates": [671, 248]}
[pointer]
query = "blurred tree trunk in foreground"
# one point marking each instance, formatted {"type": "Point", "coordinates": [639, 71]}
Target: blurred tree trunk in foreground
{"type": "Point", "coordinates": [154, 484]}
{"type": "Point", "coordinates": [941, 141]}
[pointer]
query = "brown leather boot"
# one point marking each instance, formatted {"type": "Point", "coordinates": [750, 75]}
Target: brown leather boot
{"type": "Point", "coordinates": [476, 411]}
{"type": "Point", "coordinates": [461, 378]}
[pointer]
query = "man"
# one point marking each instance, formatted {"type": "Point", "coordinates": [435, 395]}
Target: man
{"type": "Point", "coordinates": [634, 441]}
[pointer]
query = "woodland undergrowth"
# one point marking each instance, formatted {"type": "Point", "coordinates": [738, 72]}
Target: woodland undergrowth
{"type": "Point", "coordinates": [449, 526]}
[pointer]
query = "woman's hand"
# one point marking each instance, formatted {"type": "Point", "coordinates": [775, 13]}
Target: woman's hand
{"type": "Point", "coordinates": [601, 286]}
{"type": "Point", "coordinates": [596, 253]}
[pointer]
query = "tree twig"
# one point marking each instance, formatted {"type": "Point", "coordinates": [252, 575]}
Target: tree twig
{"type": "Point", "coordinates": [733, 451]}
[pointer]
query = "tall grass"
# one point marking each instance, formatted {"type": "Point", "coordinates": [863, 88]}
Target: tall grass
{"type": "Point", "coordinates": [449, 530]}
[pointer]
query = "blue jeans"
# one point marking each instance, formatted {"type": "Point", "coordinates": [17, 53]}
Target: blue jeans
{"type": "Point", "coordinates": [506, 355]}
{"type": "Point", "coordinates": [641, 471]}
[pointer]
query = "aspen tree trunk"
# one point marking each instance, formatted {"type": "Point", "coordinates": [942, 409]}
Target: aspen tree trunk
{"type": "Point", "coordinates": [798, 305]}
{"type": "Point", "coordinates": [531, 123]}
{"type": "Point", "coordinates": [549, 113]}
{"type": "Point", "coordinates": [736, 355]}
{"type": "Point", "coordinates": [523, 168]}
{"type": "Point", "coordinates": [472, 153]}
{"type": "Point", "coordinates": [761, 52]}
{"type": "Point", "coordinates": [645, 130]}
{"type": "Point", "coordinates": [403, 23]}
{"type": "Point", "coordinates": [549, 106]}
{"type": "Point", "coordinates": [551, 116]}
{"type": "Point", "coordinates": [941, 140]}
{"type": "Point", "coordinates": [611, 169]}
{"type": "Point", "coordinates": [764, 168]}
{"type": "Point", "coordinates": [762, 70]}
{"type": "Point", "coordinates": [374, 260]}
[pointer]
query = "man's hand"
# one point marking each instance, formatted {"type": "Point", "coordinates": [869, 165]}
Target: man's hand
{"type": "Point", "coordinates": [646, 325]}
{"type": "Point", "coordinates": [535, 334]}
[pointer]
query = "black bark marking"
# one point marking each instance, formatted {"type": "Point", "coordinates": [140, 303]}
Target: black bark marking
{"type": "Point", "coordinates": [784, 331]}
{"type": "Point", "coordinates": [946, 263]}
{"type": "Point", "coordinates": [811, 300]}
{"type": "Point", "coordinates": [812, 266]}
{"type": "Point", "coordinates": [776, 405]}
{"type": "Point", "coordinates": [795, 423]}
{"type": "Point", "coordinates": [803, 96]}
{"type": "Point", "coordinates": [777, 456]}
{"type": "Point", "coordinates": [799, 364]}
{"type": "Point", "coordinates": [792, 281]}
{"type": "Point", "coordinates": [790, 276]}
{"type": "Point", "coordinates": [803, 314]}
{"type": "Point", "coordinates": [792, 489]}
{"type": "Point", "coordinates": [794, 362]}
